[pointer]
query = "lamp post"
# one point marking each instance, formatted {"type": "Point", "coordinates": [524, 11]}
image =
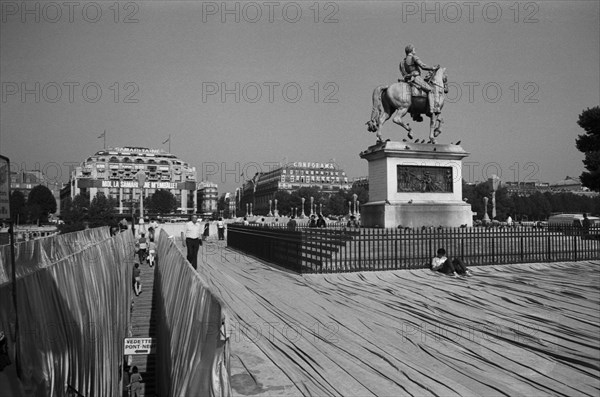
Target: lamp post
{"type": "Point", "coordinates": [141, 177]}
{"type": "Point", "coordinates": [486, 218]}
{"type": "Point", "coordinates": [495, 185]}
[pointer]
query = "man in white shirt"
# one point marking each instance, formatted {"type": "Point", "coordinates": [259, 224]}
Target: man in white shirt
{"type": "Point", "coordinates": [441, 263]}
{"type": "Point", "coordinates": [191, 239]}
{"type": "Point", "coordinates": [221, 229]}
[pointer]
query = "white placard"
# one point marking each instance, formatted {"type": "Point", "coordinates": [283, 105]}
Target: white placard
{"type": "Point", "coordinates": [140, 346]}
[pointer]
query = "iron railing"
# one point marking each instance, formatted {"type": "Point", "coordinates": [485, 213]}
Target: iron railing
{"type": "Point", "coordinates": [313, 250]}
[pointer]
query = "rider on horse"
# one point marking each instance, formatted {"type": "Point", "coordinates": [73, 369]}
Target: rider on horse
{"type": "Point", "coordinates": [411, 67]}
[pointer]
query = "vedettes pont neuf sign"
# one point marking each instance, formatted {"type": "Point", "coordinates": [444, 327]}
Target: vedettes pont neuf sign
{"type": "Point", "coordinates": [139, 346]}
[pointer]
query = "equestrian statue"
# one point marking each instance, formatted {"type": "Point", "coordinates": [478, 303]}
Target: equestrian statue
{"type": "Point", "coordinates": [412, 94]}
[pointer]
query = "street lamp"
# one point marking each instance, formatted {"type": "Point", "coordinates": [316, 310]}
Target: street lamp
{"type": "Point", "coordinates": [141, 177]}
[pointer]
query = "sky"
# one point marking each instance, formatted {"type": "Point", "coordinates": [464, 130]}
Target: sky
{"type": "Point", "coordinates": [242, 86]}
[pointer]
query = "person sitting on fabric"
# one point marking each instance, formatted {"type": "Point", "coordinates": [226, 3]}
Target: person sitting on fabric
{"type": "Point", "coordinates": [442, 264]}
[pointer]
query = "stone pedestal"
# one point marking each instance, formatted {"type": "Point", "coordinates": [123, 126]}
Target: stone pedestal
{"type": "Point", "coordinates": [415, 185]}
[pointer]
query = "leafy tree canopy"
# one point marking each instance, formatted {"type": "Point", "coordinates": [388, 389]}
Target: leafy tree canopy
{"type": "Point", "coordinates": [589, 144]}
{"type": "Point", "coordinates": [42, 199]}
{"type": "Point", "coordinates": [162, 202]}
{"type": "Point", "coordinates": [17, 206]}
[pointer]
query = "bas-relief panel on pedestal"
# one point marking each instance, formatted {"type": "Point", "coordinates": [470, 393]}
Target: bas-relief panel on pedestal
{"type": "Point", "coordinates": [413, 178]}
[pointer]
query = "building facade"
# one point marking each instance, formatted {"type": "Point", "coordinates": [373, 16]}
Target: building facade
{"type": "Point", "coordinates": [118, 172]}
{"type": "Point", "coordinates": [208, 197]}
{"type": "Point", "coordinates": [328, 177]}
{"type": "Point", "coordinates": [567, 185]}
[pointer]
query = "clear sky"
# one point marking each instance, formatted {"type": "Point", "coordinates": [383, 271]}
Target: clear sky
{"type": "Point", "coordinates": [242, 86]}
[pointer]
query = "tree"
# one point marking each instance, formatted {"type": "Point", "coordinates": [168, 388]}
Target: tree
{"type": "Point", "coordinates": [589, 144]}
{"type": "Point", "coordinates": [75, 214]}
{"type": "Point", "coordinates": [283, 202]}
{"type": "Point", "coordinates": [102, 211]}
{"type": "Point", "coordinates": [41, 202]}
{"type": "Point", "coordinates": [475, 194]}
{"type": "Point", "coordinates": [307, 193]}
{"type": "Point", "coordinates": [338, 203]}
{"type": "Point", "coordinates": [162, 202]}
{"type": "Point", "coordinates": [17, 206]}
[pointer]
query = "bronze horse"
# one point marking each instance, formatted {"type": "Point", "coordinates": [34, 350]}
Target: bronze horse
{"type": "Point", "coordinates": [396, 100]}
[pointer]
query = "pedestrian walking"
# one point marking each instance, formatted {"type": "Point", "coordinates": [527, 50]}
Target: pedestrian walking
{"type": "Point", "coordinates": [135, 382]}
{"type": "Point", "coordinates": [321, 221]}
{"type": "Point", "coordinates": [221, 229]}
{"type": "Point", "coordinates": [137, 280]}
{"type": "Point", "coordinates": [191, 239]}
{"type": "Point", "coordinates": [142, 244]}
{"type": "Point", "coordinates": [292, 224]}
{"type": "Point", "coordinates": [206, 231]}
{"type": "Point", "coordinates": [152, 253]}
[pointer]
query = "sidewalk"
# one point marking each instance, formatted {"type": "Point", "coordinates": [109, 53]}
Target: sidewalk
{"type": "Point", "coordinates": [143, 320]}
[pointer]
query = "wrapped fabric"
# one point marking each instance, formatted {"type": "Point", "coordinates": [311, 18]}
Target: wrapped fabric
{"type": "Point", "coordinates": [193, 345]}
{"type": "Point", "coordinates": [73, 294]}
